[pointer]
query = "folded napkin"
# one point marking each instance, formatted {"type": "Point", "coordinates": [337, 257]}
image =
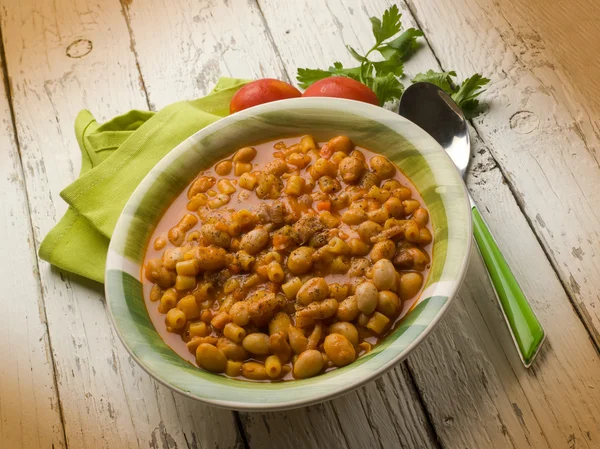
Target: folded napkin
{"type": "Point", "coordinates": [115, 157]}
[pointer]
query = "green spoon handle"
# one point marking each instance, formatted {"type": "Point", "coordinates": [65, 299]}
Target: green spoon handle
{"type": "Point", "coordinates": [526, 329]}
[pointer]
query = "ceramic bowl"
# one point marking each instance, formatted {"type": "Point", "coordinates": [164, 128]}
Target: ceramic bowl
{"type": "Point", "coordinates": [374, 128]}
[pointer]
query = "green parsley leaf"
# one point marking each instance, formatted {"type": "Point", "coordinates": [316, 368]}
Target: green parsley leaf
{"type": "Point", "coordinates": [306, 77]}
{"type": "Point", "coordinates": [404, 45]}
{"type": "Point", "coordinates": [338, 69]}
{"type": "Point", "coordinates": [392, 65]}
{"type": "Point", "coordinates": [464, 96]}
{"type": "Point", "coordinates": [388, 26]}
{"type": "Point", "coordinates": [470, 89]}
{"type": "Point", "coordinates": [387, 88]}
{"type": "Point", "coordinates": [393, 62]}
{"type": "Point", "coordinates": [366, 72]}
{"type": "Point", "coordinates": [377, 75]}
{"type": "Point", "coordinates": [355, 54]}
{"type": "Point", "coordinates": [382, 76]}
{"type": "Point", "coordinates": [440, 79]}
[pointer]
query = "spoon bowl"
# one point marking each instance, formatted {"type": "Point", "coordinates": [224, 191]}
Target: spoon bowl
{"type": "Point", "coordinates": [435, 112]}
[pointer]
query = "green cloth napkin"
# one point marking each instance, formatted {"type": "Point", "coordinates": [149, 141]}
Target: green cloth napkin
{"type": "Point", "coordinates": [116, 156]}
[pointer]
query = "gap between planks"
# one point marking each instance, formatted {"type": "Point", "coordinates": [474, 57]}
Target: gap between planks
{"type": "Point", "coordinates": [410, 377]}
{"type": "Point", "coordinates": [36, 273]}
{"type": "Point", "coordinates": [518, 198]}
{"type": "Point", "coordinates": [493, 321]}
{"type": "Point", "coordinates": [272, 42]}
{"type": "Point", "coordinates": [151, 107]}
{"type": "Point", "coordinates": [88, 414]}
{"type": "Point", "coordinates": [427, 413]}
{"type": "Point", "coordinates": [132, 47]}
{"type": "Point", "coordinates": [406, 366]}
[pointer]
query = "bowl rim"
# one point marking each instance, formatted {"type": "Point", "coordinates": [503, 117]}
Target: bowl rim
{"type": "Point", "coordinates": [315, 102]}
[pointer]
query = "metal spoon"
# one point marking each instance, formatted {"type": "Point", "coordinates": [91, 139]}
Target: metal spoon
{"type": "Point", "coordinates": [434, 111]}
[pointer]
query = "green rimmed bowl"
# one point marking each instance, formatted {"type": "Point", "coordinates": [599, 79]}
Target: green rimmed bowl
{"type": "Point", "coordinates": [372, 127]}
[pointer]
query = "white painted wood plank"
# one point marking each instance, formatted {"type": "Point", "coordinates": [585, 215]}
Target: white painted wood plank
{"type": "Point", "coordinates": [469, 348]}
{"type": "Point", "coordinates": [494, 401]}
{"type": "Point", "coordinates": [107, 400]}
{"type": "Point", "coordinates": [475, 388]}
{"type": "Point", "coordinates": [384, 412]}
{"type": "Point", "coordinates": [207, 40]}
{"type": "Point", "coordinates": [235, 30]}
{"type": "Point", "coordinates": [29, 406]}
{"type": "Point", "coordinates": [544, 142]}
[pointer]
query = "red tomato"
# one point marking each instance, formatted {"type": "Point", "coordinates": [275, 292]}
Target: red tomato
{"type": "Point", "coordinates": [341, 87]}
{"type": "Point", "coordinates": [262, 91]}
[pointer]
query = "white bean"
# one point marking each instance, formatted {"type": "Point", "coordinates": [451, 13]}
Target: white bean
{"type": "Point", "coordinates": [384, 274]}
{"type": "Point", "coordinates": [366, 297]}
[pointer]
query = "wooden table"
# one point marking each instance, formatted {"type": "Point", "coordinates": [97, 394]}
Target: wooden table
{"type": "Point", "coordinates": [66, 380]}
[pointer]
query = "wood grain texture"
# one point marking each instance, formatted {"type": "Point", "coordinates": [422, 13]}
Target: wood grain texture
{"type": "Point", "coordinates": [548, 405]}
{"type": "Point", "coordinates": [207, 40]}
{"type": "Point", "coordinates": [108, 401]}
{"type": "Point", "coordinates": [548, 156]}
{"type": "Point", "coordinates": [351, 421]}
{"type": "Point", "coordinates": [568, 36]}
{"type": "Point", "coordinates": [474, 386]}
{"type": "Point", "coordinates": [384, 412]}
{"type": "Point", "coordinates": [29, 406]}
{"type": "Point", "coordinates": [534, 176]}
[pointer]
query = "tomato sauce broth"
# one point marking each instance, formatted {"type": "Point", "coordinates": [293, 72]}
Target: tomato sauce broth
{"type": "Point", "coordinates": [245, 200]}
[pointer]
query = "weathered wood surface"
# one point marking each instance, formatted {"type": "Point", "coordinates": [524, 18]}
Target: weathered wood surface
{"type": "Point", "coordinates": [546, 148]}
{"type": "Point", "coordinates": [533, 175]}
{"type": "Point", "coordinates": [567, 35]}
{"type": "Point", "coordinates": [29, 408]}
{"type": "Point", "coordinates": [470, 372]}
{"type": "Point", "coordinates": [107, 401]}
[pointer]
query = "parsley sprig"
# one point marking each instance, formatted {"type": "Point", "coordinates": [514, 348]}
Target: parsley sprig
{"type": "Point", "coordinates": [383, 75]}
{"type": "Point", "coordinates": [464, 95]}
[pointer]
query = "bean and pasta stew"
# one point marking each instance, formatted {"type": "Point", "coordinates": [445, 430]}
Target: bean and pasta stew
{"type": "Point", "coordinates": [289, 259]}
